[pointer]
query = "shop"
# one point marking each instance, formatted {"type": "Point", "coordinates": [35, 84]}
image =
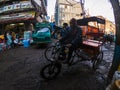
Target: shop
{"type": "Point", "coordinates": [20, 16]}
{"type": "Point", "coordinates": [16, 15]}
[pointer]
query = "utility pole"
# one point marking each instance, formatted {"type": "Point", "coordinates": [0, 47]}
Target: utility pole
{"type": "Point", "coordinates": [116, 58]}
{"type": "Point", "coordinates": [82, 6]}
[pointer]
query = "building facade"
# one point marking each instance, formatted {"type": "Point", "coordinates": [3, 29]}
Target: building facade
{"type": "Point", "coordinates": [20, 15]}
{"type": "Point", "coordinates": [67, 9]}
{"type": "Point", "coordinates": [110, 27]}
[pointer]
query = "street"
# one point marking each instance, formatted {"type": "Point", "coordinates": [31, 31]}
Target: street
{"type": "Point", "coordinates": [20, 68]}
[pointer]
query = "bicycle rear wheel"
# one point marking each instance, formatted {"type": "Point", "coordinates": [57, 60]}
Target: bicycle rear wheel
{"type": "Point", "coordinates": [51, 53]}
{"type": "Point", "coordinates": [98, 60]}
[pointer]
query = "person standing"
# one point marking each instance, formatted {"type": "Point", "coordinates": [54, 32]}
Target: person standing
{"type": "Point", "coordinates": [5, 37]}
{"type": "Point", "coordinates": [9, 40]}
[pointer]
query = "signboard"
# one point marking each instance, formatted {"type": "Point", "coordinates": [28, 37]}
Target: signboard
{"type": "Point", "coordinates": [17, 6]}
{"type": "Point", "coordinates": [4, 0]}
{"type": "Point", "coordinates": [8, 8]}
{"type": "Point", "coordinates": [1, 9]}
{"type": "Point", "coordinates": [18, 16]}
{"type": "Point", "coordinates": [1, 0]}
{"type": "Point", "coordinates": [26, 4]}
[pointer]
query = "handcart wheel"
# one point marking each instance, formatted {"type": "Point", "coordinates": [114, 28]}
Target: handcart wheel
{"type": "Point", "coordinates": [98, 60]}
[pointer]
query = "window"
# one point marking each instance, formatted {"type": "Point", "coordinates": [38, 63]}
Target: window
{"type": "Point", "coordinates": [65, 6]}
{"type": "Point", "coordinates": [61, 6]}
{"type": "Point", "coordinates": [77, 14]}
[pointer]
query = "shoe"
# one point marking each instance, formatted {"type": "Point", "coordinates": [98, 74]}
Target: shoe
{"type": "Point", "coordinates": [61, 57]}
{"type": "Point", "coordinates": [52, 59]}
{"type": "Point", "coordinates": [65, 61]}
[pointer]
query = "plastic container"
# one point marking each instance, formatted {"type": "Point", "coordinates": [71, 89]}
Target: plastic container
{"type": "Point", "coordinates": [27, 34]}
{"type": "Point", "coordinates": [26, 43]}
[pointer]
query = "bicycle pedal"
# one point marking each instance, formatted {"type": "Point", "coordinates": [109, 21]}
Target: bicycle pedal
{"type": "Point", "coordinates": [65, 62]}
{"type": "Point", "coordinates": [52, 59]}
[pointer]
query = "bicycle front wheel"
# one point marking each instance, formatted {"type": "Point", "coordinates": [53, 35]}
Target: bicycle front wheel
{"type": "Point", "coordinates": [50, 71]}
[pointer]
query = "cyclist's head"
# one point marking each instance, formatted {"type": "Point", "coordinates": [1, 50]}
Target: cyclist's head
{"type": "Point", "coordinates": [65, 25]}
{"type": "Point", "coordinates": [73, 22]}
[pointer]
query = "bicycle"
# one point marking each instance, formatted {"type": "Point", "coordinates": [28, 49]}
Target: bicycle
{"type": "Point", "coordinates": [53, 54]}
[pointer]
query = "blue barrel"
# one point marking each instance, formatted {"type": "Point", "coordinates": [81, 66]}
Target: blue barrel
{"type": "Point", "coordinates": [26, 43]}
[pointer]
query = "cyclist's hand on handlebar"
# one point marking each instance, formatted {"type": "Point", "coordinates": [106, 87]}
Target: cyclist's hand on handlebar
{"type": "Point", "coordinates": [59, 38]}
{"type": "Point", "coordinates": [69, 45]}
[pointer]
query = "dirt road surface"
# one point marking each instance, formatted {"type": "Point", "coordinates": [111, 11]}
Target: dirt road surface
{"type": "Point", "coordinates": [20, 68]}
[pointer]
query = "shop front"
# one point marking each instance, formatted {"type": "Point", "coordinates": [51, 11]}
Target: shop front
{"type": "Point", "coordinates": [18, 22]}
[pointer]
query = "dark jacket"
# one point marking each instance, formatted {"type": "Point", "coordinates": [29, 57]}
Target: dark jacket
{"type": "Point", "coordinates": [64, 31]}
{"type": "Point", "coordinates": [74, 37]}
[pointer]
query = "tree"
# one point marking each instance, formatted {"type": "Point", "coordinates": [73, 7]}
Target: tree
{"type": "Point", "coordinates": [116, 58]}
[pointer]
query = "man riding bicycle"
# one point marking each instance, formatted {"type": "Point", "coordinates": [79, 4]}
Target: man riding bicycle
{"type": "Point", "coordinates": [73, 39]}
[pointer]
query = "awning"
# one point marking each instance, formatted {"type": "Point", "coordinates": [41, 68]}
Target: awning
{"type": "Point", "coordinates": [16, 20]}
{"type": "Point", "coordinates": [17, 17]}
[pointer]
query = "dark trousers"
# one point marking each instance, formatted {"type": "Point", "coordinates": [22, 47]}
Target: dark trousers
{"type": "Point", "coordinates": [71, 49]}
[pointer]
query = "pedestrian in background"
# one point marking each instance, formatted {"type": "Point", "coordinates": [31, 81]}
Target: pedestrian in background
{"type": "Point", "coordinates": [16, 40]}
{"type": "Point", "coordinates": [65, 30]}
{"type": "Point", "coordinates": [5, 37]}
{"type": "Point", "coordinates": [9, 40]}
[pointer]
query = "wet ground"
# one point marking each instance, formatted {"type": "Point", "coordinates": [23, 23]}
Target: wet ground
{"type": "Point", "coordinates": [20, 67]}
